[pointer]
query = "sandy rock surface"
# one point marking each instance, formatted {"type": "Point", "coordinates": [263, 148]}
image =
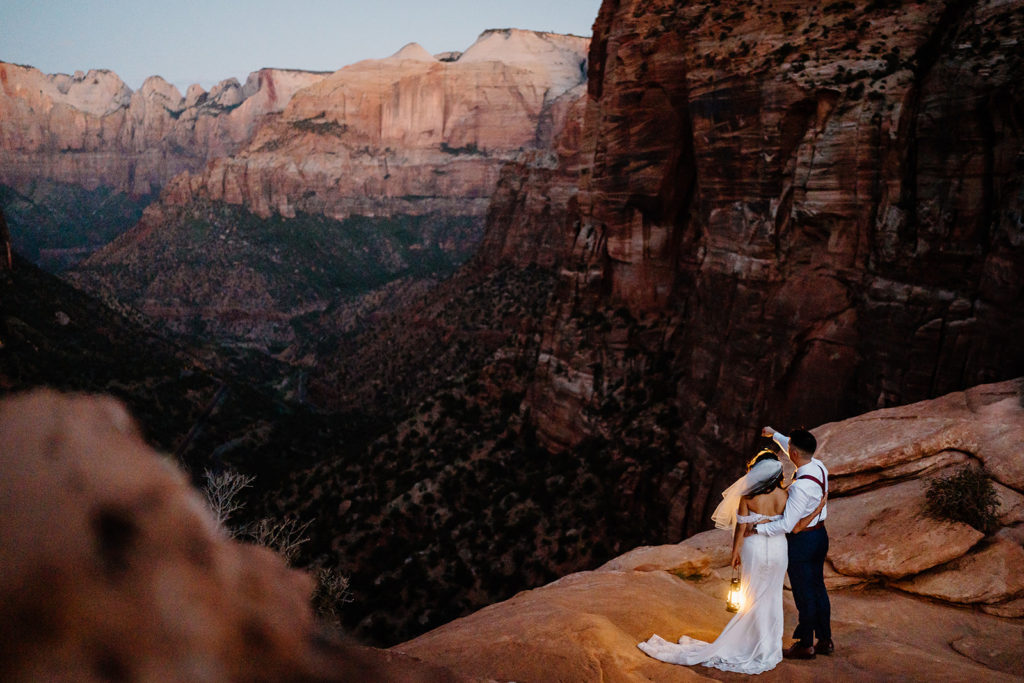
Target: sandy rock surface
{"type": "Point", "coordinates": [586, 626]}
{"type": "Point", "coordinates": [990, 575]}
{"type": "Point", "coordinates": [680, 559]}
{"type": "Point", "coordinates": [863, 530]}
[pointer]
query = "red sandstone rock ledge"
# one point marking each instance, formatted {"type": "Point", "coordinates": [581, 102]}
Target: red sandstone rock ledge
{"type": "Point", "coordinates": [913, 598]}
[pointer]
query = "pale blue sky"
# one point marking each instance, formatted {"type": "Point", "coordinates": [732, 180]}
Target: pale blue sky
{"type": "Point", "coordinates": [193, 41]}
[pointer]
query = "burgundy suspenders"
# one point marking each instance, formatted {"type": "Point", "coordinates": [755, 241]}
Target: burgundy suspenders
{"type": "Point", "coordinates": [821, 483]}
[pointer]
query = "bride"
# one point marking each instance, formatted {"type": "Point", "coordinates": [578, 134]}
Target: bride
{"type": "Point", "coordinates": [751, 642]}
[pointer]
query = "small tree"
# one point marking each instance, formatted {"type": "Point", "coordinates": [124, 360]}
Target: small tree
{"type": "Point", "coordinates": [285, 537]}
{"type": "Point", "coordinates": [967, 496]}
{"type": "Point", "coordinates": [332, 591]}
{"type": "Point", "coordinates": [222, 491]}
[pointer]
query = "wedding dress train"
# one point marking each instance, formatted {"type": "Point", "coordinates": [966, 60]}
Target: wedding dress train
{"type": "Point", "coordinates": [751, 642]}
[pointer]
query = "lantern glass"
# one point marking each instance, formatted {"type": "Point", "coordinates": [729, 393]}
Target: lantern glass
{"type": "Point", "coordinates": [734, 600]}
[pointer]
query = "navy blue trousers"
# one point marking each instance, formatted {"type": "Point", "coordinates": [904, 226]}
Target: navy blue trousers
{"type": "Point", "coordinates": [807, 551]}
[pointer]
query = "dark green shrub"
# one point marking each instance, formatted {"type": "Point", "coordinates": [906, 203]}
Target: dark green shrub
{"type": "Point", "coordinates": [967, 496]}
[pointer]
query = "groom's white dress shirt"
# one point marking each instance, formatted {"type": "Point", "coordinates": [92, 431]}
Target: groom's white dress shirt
{"type": "Point", "coordinates": [804, 496]}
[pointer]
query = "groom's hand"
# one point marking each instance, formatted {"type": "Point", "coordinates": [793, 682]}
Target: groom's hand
{"type": "Point", "coordinates": [750, 530]}
{"type": "Point", "coordinates": [767, 432]}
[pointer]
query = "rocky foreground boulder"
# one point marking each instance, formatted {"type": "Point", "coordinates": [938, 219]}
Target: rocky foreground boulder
{"type": "Point", "coordinates": [913, 597]}
{"type": "Point", "coordinates": [112, 567]}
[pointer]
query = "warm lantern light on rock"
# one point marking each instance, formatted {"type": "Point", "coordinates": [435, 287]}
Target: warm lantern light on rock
{"type": "Point", "coordinates": [734, 599]}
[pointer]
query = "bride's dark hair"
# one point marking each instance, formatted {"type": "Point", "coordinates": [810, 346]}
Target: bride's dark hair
{"type": "Point", "coordinates": [771, 484]}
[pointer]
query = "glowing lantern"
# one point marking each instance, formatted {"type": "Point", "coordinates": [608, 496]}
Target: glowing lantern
{"type": "Point", "coordinates": [734, 600]}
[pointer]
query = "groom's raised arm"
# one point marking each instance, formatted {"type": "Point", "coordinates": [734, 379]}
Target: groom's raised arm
{"type": "Point", "coordinates": [801, 502]}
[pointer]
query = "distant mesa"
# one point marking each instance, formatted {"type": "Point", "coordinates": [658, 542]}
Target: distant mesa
{"type": "Point", "coordinates": [92, 130]}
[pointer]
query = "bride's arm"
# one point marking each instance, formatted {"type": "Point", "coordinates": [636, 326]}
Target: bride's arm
{"type": "Point", "coordinates": [737, 534]}
{"type": "Point", "coordinates": [805, 522]}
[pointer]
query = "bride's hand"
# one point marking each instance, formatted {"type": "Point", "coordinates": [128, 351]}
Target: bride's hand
{"type": "Point", "coordinates": [735, 560]}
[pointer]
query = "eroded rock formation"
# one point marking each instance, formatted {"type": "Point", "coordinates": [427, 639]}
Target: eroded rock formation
{"type": "Point", "coordinates": [91, 130]}
{"type": "Point", "coordinates": [385, 168]}
{"type": "Point", "coordinates": [409, 134]}
{"type": "Point", "coordinates": [791, 214]}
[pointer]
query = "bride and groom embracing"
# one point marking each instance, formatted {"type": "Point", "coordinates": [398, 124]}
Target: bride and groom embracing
{"type": "Point", "coordinates": [774, 529]}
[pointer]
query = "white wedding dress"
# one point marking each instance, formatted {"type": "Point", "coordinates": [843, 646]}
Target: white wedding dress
{"type": "Point", "coordinates": [751, 642]}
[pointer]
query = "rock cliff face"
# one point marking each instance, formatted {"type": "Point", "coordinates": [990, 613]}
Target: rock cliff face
{"type": "Point", "coordinates": [526, 218]}
{"type": "Point", "coordinates": [380, 171]}
{"type": "Point", "coordinates": [410, 134]}
{"type": "Point", "coordinates": [84, 155]}
{"type": "Point", "coordinates": [91, 130]}
{"type": "Point", "coordinates": [790, 214]}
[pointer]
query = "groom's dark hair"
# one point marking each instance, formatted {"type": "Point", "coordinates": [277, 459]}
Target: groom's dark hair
{"type": "Point", "coordinates": [804, 440]}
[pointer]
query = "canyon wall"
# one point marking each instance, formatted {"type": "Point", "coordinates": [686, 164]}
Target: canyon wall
{"type": "Point", "coordinates": [791, 214]}
{"type": "Point", "coordinates": [90, 129]}
{"type": "Point", "coordinates": [383, 170]}
{"type": "Point", "coordinates": [410, 134]}
{"type": "Point", "coordinates": [83, 155]}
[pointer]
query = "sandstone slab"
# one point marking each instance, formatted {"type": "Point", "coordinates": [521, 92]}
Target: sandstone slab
{"type": "Point", "coordinates": [715, 543]}
{"type": "Point", "coordinates": [990, 575]}
{"type": "Point", "coordinates": [1011, 505]}
{"type": "Point", "coordinates": [985, 422]}
{"type": "Point", "coordinates": [1000, 429]}
{"type": "Point", "coordinates": [679, 559]}
{"type": "Point", "coordinates": [1004, 657]}
{"type": "Point", "coordinates": [580, 628]}
{"type": "Point", "coordinates": [586, 626]}
{"type": "Point", "coordinates": [886, 533]}
{"type": "Point", "coordinates": [924, 465]}
{"type": "Point", "coordinates": [1014, 609]}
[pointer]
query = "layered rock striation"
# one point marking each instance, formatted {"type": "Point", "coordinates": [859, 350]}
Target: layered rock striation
{"type": "Point", "coordinates": [789, 215]}
{"type": "Point", "coordinates": [92, 130]}
{"type": "Point", "coordinates": [383, 170]}
{"type": "Point", "coordinates": [409, 134]}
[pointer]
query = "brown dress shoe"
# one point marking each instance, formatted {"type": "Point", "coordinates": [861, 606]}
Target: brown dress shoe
{"type": "Point", "coordinates": [799, 651]}
{"type": "Point", "coordinates": [824, 647]}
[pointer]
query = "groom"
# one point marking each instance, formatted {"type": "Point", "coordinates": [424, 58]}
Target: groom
{"type": "Point", "coordinates": [807, 549]}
